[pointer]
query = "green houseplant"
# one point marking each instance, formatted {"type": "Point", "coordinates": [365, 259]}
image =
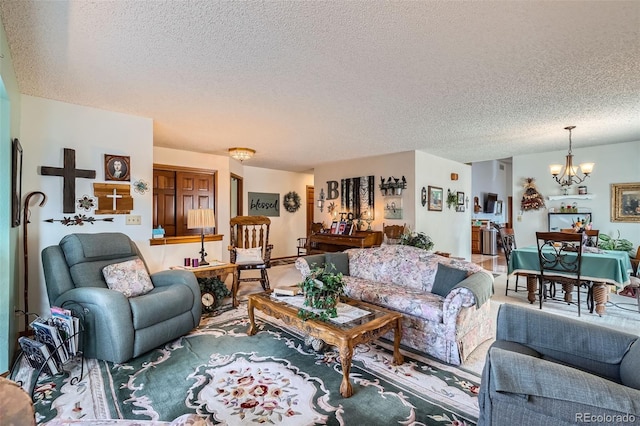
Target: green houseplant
{"type": "Point", "coordinates": [617, 244]}
{"type": "Point", "coordinates": [322, 289]}
{"type": "Point", "coordinates": [417, 239]}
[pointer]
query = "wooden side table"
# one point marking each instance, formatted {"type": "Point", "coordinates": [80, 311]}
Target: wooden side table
{"type": "Point", "coordinates": [221, 271]}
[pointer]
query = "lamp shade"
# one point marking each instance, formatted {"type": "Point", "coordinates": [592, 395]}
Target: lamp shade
{"type": "Point", "coordinates": [200, 218]}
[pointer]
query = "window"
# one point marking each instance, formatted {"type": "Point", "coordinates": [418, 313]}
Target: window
{"type": "Point", "coordinates": [176, 190]}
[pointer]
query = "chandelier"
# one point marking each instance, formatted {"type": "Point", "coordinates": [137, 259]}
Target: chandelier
{"type": "Point", "coordinates": [241, 154]}
{"type": "Point", "coordinates": [569, 175]}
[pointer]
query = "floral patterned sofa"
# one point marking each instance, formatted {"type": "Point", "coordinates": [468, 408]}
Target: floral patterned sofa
{"type": "Point", "coordinates": [401, 277]}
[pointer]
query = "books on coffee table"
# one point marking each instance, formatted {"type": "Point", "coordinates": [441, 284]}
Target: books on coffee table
{"type": "Point", "coordinates": [291, 290]}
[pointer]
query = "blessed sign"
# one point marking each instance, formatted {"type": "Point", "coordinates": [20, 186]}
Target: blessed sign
{"type": "Point", "coordinates": [264, 204]}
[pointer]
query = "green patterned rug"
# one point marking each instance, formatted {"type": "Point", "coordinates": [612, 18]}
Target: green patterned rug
{"type": "Point", "coordinates": [227, 377]}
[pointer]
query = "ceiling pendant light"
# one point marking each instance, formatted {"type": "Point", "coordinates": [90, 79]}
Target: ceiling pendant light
{"type": "Point", "coordinates": [241, 154]}
{"type": "Point", "coordinates": [570, 174]}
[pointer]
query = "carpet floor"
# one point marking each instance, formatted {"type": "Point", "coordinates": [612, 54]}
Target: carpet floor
{"type": "Point", "coordinates": [219, 375]}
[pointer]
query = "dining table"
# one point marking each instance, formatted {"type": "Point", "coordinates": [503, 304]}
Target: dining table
{"type": "Point", "coordinates": [602, 268]}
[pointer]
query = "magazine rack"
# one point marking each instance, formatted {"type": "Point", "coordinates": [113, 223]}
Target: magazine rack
{"type": "Point", "coordinates": [67, 367]}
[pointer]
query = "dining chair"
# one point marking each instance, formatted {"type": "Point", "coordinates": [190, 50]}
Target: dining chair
{"type": "Point", "coordinates": [249, 249]}
{"type": "Point", "coordinates": [508, 240]}
{"type": "Point", "coordinates": [301, 246]}
{"type": "Point", "coordinates": [392, 233]}
{"type": "Point", "coordinates": [593, 237]}
{"type": "Point", "coordinates": [560, 258]}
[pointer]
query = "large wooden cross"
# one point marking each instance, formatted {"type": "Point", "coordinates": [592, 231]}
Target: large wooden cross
{"type": "Point", "coordinates": [69, 173]}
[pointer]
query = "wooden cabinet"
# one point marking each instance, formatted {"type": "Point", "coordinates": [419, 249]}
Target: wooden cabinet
{"type": "Point", "coordinates": [320, 243]}
{"type": "Point", "coordinates": [476, 239]}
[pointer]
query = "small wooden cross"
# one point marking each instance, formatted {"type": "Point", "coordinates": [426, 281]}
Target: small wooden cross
{"type": "Point", "coordinates": [69, 173]}
{"type": "Point", "coordinates": [115, 197]}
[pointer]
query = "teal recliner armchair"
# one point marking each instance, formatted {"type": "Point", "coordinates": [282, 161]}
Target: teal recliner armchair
{"type": "Point", "coordinates": [117, 328]}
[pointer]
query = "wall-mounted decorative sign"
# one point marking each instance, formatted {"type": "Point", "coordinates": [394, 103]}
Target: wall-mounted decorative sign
{"type": "Point", "coordinates": [357, 195]}
{"type": "Point", "coordinates": [264, 204]}
{"type": "Point", "coordinates": [116, 167]}
{"type": "Point", "coordinates": [113, 198]}
{"type": "Point", "coordinates": [423, 196]}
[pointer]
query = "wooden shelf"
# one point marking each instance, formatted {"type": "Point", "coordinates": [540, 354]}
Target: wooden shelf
{"type": "Point", "coordinates": [571, 196]}
{"type": "Point", "coordinates": [184, 239]}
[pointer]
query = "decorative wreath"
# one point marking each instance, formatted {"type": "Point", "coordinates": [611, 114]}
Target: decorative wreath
{"type": "Point", "coordinates": [291, 201]}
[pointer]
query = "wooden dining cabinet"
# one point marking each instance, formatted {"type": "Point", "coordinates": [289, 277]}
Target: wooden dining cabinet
{"type": "Point", "coordinates": [476, 239]}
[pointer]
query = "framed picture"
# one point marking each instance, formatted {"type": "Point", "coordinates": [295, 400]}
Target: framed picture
{"type": "Point", "coordinates": [334, 227]}
{"type": "Point", "coordinates": [348, 230]}
{"type": "Point", "coordinates": [435, 198]}
{"type": "Point", "coordinates": [460, 198]}
{"type": "Point", "coordinates": [116, 167]}
{"type": "Point", "coordinates": [498, 208]}
{"type": "Point", "coordinates": [16, 182]}
{"type": "Point", "coordinates": [342, 227]}
{"type": "Point", "coordinates": [625, 202]}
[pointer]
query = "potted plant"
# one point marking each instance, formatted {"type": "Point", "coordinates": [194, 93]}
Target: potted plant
{"type": "Point", "coordinates": [416, 239]}
{"type": "Point", "coordinates": [617, 244]}
{"type": "Point", "coordinates": [452, 199]}
{"type": "Point", "coordinates": [322, 289]}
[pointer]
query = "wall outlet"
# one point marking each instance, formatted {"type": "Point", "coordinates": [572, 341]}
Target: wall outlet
{"type": "Point", "coordinates": [132, 219]}
{"type": "Point", "coordinates": [519, 218]}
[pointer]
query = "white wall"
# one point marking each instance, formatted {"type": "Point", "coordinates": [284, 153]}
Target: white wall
{"type": "Point", "coordinates": [288, 227]}
{"type": "Point", "coordinates": [491, 176]}
{"type": "Point", "coordinates": [613, 164]}
{"type": "Point", "coordinates": [47, 128]}
{"type": "Point", "coordinates": [450, 230]}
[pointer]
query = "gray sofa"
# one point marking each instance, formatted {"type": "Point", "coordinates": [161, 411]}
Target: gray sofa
{"type": "Point", "coordinates": [117, 328]}
{"type": "Point", "coordinates": [544, 369]}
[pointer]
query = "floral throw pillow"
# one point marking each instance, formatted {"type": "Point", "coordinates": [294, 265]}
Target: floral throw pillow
{"type": "Point", "coordinates": [250, 256]}
{"type": "Point", "coordinates": [129, 278]}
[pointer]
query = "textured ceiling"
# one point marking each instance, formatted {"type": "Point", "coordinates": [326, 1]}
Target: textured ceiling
{"type": "Point", "coordinates": [305, 83]}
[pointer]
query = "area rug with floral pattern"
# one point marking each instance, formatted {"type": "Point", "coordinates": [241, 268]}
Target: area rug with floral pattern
{"type": "Point", "coordinates": [218, 374]}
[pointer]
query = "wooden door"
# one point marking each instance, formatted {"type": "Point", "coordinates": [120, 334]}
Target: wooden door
{"type": "Point", "coordinates": [310, 207]}
{"type": "Point", "coordinates": [164, 201]}
{"type": "Point", "coordinates": [193, 191]}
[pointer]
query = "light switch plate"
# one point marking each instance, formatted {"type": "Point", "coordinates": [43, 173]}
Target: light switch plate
{"type": "Point", "coordinates": [132, 219]}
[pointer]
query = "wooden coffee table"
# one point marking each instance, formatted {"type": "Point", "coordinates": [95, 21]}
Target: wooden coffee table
{"type": "Point", "coordinates": [344, 336]}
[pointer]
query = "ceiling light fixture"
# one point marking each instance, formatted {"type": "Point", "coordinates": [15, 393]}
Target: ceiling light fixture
{"type": "Point", "coordinates": [569, 175]}
{"type": "Point", "coordinates": [241, 154]}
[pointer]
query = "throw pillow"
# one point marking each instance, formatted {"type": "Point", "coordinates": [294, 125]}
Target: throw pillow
{"type": "Point", "coordinates": [339, 260]}
{"type": "Point", "coordinates": [446, 278]}
{"type": "Point", "coordinates": [249, 256]}
{"type": "Point", "coordinates": [129, 278]}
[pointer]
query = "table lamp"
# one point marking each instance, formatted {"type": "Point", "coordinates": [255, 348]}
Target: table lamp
{"type": "Point", "coordinates": [201, 218]}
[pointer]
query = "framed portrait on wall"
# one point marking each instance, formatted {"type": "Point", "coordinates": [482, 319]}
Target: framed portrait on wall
{"type": "Point", "coordinates": [435, 198]}
{"type": "Point", "coordinates": [625, 202]}
{"type": "Point", "coordinates": [117, 167]}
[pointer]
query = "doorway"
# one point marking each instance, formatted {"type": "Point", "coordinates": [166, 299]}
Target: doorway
{"type": "Point", "coordinates": [310, 207]}
{"type": "Point", "coordinates": [235, 203]}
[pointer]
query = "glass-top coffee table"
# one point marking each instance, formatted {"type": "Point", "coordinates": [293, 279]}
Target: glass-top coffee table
{"type": "Point", "coordinates": [375, 322]}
